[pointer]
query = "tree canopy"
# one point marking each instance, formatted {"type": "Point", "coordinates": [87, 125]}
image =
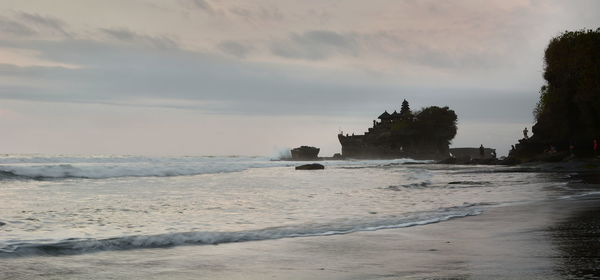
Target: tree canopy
{"type": "Point", "coordinates": [569, 107]}
{"type": "Point", "coordinates": [436, 124]}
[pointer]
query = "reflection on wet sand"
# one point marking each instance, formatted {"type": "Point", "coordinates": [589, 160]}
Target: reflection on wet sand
{"type": "Point", "coordinates": [578, 241]}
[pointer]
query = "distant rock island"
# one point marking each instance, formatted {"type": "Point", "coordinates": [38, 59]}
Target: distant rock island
{"type": "Point", "coordinates": [425, 134]}
{"type": "Point", "coordinates": [305, 153]}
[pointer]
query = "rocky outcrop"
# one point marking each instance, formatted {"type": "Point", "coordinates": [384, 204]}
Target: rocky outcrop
{"type": "Point", "coordinates": [425, 134]}
{"type": "Point", "coordinates": [312, 166]}
{"type": "Point", "coordinates": [568, 112]}
{"type": "Point", "coordinates": [305, 153]}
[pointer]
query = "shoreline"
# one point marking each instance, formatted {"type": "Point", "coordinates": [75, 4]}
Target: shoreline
{"type": "Point", "coordinates": [541, 240]}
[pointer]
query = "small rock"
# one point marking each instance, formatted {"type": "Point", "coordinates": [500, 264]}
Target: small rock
{"type": "Point", "coordinates": [312, 166]}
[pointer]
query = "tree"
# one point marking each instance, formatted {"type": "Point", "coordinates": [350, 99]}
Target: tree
{"type": "Point", "coordinates": [568, 111]}
{"type": "Point", "coordinates": [436, 124]}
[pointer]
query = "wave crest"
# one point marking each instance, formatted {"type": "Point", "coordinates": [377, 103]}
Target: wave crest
{"type": "Point", "coordinates": [147, 167]}
{"type": "Point", "coordinates": [81, 246]}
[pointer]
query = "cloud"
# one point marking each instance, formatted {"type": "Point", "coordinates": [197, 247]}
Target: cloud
{"type": "Point", "coordinates": [258, 14]}
{"type": "Point", "coordinates": [128, 36]}
{"type": "Point", "coordinates": [113, 74]}
{"type": "Point", "coordinates": [45, 22]}
{"type": "Point", "coordinates": [316, 45]}
{"type": "Point", "coordinates": [8, 26]}
{"type": "Point", "coordinates": [175, 78]}
{"type": "Point", "coordinates": [125, 65]}
{"type": "Point", "coordinates": [402, 51]}
{"type": "Point", "coordinates": [234, 48]}
{"type": "Point", "coordinates": [204, 5]}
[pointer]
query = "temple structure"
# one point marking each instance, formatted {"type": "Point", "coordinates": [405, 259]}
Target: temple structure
{"type": "Point", "coordinates": [400, 135]}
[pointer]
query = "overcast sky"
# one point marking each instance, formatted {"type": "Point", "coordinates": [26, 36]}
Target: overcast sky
{"type": "Point", "coordinates": [217, 77]}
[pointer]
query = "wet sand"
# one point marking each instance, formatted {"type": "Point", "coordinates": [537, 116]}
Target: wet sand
{"type": "Point", "coordinates": [546, 240]}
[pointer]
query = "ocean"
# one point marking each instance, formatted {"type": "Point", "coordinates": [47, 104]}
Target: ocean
{"type": "Point", "coordinates": [55, 207]}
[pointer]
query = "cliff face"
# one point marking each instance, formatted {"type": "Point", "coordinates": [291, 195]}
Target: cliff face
{"type": "Point", "coordinates": [390, 146]}
{"type": "Point", "coordinates": [423, 135]}
{"type": "Point", "coordinates": [305, 153]}
{"type": "Point", "coordinates": [568, 112]}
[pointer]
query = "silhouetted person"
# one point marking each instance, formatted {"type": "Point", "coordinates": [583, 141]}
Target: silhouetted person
{"type": "Point", "coordinates": [571, 148]}
{"type": "Point", "coordinates": [525, 131]}
{"type": "Point", "coordinates": [481, 151]}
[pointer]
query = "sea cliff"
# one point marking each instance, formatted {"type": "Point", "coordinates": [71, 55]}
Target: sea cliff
{"type": "Point", "coordinates": [568, 112]}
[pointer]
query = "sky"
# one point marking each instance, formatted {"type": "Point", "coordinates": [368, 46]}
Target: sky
{"type": "Point", "coordinates": [217, 77]}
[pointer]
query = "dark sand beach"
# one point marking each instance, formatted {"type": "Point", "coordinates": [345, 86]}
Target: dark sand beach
{"type": "Point", "coordinates": [544, 240]}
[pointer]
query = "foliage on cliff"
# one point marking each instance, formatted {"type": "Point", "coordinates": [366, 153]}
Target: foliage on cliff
{"type": "Point", "coordinates": [437, 124]}
{"type": "Point", "coordinates": [431, 124]}
{"type": "Point", "coordinates": [568, 111]}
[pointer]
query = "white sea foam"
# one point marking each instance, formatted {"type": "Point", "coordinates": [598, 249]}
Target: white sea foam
{"type": "Point", "coordinates": [97, 171]}
{"type": "Point", "coordinates": [282, 154]}
{"type": "Point", "coordinates": [99, 167]}
{"type": "Point", "coordinates": [80, 246]}
{"type": "Point", "coordinates": [580, 195]}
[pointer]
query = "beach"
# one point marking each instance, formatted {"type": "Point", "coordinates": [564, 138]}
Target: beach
{"type": "Point", "coordinates": [353, 220]}
{"type": "Point", "coordinates": [546, 240]}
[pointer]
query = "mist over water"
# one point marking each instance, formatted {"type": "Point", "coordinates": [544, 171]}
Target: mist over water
{"type": "Point", "coordinates": [72, 205]}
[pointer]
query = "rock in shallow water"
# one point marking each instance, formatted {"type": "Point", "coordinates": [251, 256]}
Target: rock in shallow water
{"type": "Point", "coordinates": [312, 166]}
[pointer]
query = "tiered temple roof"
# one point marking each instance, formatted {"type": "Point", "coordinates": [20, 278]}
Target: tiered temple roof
{"type": "Point", "coordinates": [384, 116]}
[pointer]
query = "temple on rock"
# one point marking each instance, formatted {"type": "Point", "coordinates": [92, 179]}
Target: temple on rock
{"type": "Point", "coordinates": [425, 134]}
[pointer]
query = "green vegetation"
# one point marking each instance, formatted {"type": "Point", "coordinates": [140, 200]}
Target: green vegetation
{"type": "Point", "coordinates": [568, 111]}
{"type": "Point", "coordinates": [431, 124]}
{"type": "Point", "coordinates": [437, 124]}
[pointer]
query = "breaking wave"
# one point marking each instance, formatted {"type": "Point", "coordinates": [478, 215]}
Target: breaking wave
{"type": "Point", "coordinates": [63, 171]}
{"type": "Point", "coordinates": [40, 168]}
{"type": "Point", "coordinates": [81, 246]}
{"type": "Point", "coordinates": [48, 168]}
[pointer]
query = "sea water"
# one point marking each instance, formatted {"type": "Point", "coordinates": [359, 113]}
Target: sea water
{"type": "Point", "coordinates": [53, 206]}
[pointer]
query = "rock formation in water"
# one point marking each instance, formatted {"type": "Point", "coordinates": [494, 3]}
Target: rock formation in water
{"type": "Point", "coordinates": [305, 153]}
{"type": "Point", "coordinates": [425, 134]}
{"type": "Point", "coordinates": [312, 166]}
